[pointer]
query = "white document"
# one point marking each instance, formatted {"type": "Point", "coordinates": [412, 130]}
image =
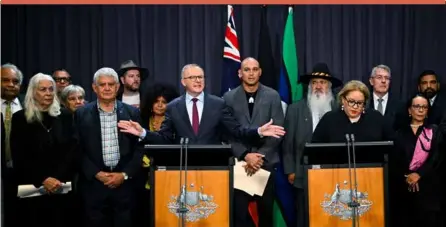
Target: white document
{"type": "Point", "coordinates": [29, 190]}
{"type": "Point", "coordinates": [253, 185]}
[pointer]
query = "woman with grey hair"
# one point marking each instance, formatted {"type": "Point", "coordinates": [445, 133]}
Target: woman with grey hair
{"type": "Point", "coordinates": [72, 97]}
{"type": "Point", "coordinates": [42, 146]}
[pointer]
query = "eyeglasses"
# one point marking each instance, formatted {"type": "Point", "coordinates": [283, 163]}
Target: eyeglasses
{"type": "Point", "coordinates": [62, 80]}
{"type": "Point", "coordinates": [385, 78]}
{"type": "Point", "coordinates": [420, 107]}
{"type": "Point", "coordinates": [354, 103]}
{"type": "Point", "coordinates": [195, 78]}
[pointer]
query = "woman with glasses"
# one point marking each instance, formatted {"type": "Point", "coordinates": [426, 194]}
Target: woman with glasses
{"type": "Point", "coordinates": [418, 151]}
{"type": "Point", "coordinates": [352, 118]}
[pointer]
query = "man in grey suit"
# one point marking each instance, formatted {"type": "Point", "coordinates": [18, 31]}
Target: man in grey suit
{"type": "Point", "coordinates": [255, 104]}
{"type": "Point", "coordinates": [300, 122]}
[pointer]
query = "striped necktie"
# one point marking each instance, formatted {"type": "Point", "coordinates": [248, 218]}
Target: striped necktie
{"type": "Point", "coordinates": [8, 117]}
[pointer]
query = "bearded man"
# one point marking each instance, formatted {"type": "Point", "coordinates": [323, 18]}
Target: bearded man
{"type": "Point", "coordinates": [300, 121]}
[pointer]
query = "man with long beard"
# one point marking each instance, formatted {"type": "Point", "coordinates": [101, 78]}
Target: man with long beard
{"type": "Point", "coordinates": [300, 121]}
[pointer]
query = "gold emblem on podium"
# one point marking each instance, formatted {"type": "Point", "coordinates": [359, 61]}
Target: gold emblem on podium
{"type": "Point", "coordinates": [199, 205]}
{"type": "Point", "coordinates": [337, 204]}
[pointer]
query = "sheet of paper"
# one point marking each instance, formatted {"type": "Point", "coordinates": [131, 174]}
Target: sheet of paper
{"type": "Point", "coordinates": [253, 185]}
{"type": "Point", "coordinates": [29, 190]}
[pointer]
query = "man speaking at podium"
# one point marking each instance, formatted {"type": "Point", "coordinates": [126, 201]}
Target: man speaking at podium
{"type": "Point", "coordinates": [201, 117]}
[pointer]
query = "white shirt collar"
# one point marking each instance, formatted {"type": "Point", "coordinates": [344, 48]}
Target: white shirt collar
{"type": "Point", "coordinates": [432, 100]}
{"type": "Point", "coordinates": [200, 97]}
{"type": "Point", "coordinates": [14, 101]}
{"type": "Point", "coordinates": [376, 97]}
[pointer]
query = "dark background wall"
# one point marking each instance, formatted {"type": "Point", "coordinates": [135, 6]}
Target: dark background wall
{"type": "Point", "coordinates": [351, 39]}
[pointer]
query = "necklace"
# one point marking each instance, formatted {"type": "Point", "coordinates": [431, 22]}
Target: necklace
{"type": "Point", "coordinates": [47, 129]}
{"type": "Point", "coordinates": [415, 126]}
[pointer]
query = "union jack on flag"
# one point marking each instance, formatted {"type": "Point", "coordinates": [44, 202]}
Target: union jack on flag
{"type": "Point", "coordinates": [231, 55]}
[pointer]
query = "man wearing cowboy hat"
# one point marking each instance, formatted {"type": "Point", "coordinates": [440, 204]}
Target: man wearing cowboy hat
{"type": "Point", "coordinates": [131, 77]}
{"type": "Point", "coordinates": [300, 121]}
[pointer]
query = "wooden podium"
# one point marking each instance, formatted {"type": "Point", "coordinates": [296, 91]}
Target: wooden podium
{"type": "Point", "coordinates": [208, 190]}
{"type": "Point", "coordinates": [327, 184]}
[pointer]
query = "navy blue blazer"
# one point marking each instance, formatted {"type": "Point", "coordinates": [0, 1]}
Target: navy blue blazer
{"type": "Point", "coordinates": [217, 119]}
{"type": "Point", "coordinates": [88, 128]}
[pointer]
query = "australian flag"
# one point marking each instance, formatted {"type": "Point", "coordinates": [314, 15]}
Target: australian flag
{"type": "Point", "coordinates": [231, 55]}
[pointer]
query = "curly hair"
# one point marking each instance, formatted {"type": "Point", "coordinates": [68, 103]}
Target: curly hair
{"type": "Point", "coordinates": [168, 92]}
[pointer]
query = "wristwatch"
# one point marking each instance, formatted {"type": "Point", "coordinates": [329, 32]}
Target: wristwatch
{"type": "Point", "coordinates": [126, 177]}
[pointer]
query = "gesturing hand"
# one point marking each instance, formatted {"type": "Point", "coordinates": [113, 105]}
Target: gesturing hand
{"type": "Point", "coordinates": [130, 127]}
{"type": "Point", "coordinates": [269, 129]}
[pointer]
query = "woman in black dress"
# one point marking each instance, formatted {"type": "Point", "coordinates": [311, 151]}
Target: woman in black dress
{"type": "Point", "coordinates": [43, 148]}
{"type": "Point", "coordinates": [419, 149]}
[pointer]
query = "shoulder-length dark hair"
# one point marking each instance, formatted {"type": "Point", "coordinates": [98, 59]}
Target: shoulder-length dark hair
{"type": "Point", "coordinates": [167, 91]}
{"type": "Point", "coordinates": [409, 104]}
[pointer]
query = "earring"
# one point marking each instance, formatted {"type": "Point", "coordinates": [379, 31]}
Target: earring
{"type": "Point", "coordinates": [363, 111]}
{"type": "Point", "coordinates": [410, 115]}
{"type": "Point", "coordinates": [342, 107]}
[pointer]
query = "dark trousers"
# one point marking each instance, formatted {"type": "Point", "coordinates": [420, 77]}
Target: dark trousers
{"type": "Point", "coordinates": [9, 197]}
{"type": "Point", "coordinates": [265, 206]}
{"type": "Point", "coordinates": [46, 210]}
{"type": "Point", "coordinates": [107, 207]}
{"type": "Point", "coordinates": [300, 207]}
{"type": "Point", "coordinates": [142, 212]}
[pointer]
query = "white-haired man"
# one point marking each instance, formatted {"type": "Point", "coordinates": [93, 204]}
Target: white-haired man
{"type": "Point", "coordinates": [108, 159]}
{"type": "Point", "coordinates": [300, 121]}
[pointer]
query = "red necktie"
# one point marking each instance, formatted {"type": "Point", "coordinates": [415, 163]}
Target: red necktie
{"type": "Point", "coordinates": [195, 119]}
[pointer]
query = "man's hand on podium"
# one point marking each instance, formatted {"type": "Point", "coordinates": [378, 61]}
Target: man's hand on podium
{"type": "Point", "coordinates": [269, 129]}
{"type": "Point", "coordinates": [131, 127]}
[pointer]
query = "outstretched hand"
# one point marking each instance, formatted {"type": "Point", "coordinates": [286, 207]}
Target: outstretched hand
{"type": "Point", "coordinates": [269, 129]}
{"type": "Point", "coordinates": [130, 127]}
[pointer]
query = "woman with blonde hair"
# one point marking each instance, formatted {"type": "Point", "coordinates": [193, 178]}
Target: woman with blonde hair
{"type": "Point", "coordinates": [352, 118]}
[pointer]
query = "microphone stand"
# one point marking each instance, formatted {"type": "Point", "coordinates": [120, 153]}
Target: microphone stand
{"type": "Point", "coordinates": [355, 204]}
{"type": "Point", "coordinates": [350, 204]}
{"type": "Point", "coordinates": [182, 194]}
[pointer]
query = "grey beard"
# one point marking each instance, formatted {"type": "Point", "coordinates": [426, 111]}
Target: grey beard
{"type": "Point", "coordinates": [320, 103]}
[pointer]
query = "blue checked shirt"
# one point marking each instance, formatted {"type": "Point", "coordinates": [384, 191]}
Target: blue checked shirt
{"type": "Point", "coordinates": [109, 134]}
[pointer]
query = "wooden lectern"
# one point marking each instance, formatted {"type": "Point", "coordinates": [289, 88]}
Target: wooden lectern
{"type": "Point", "coordinates": [208, 186]}
{"type": "Point", "coordinates": [327, 184]}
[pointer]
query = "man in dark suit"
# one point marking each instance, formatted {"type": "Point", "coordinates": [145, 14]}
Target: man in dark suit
{"type": "Point", "coordinates": [198, 116]}
{"type": "Point", "coordinates": [255, 104]}
{"type": "Point", "coordinates": [11, 102]}
{"type": "Point", "coordinates": [109, 159]}
{"type": "Point", "coordinates": [429, 85]}
{"type": "Point", "coordinates": [380, 100]}
{"type": "Point", "coordinates": [300, 121]}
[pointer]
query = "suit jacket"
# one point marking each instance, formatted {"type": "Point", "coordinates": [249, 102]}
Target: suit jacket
{"type": "Point", "coordinates": [267, 106]}
{"type": "Point", "coordinates": [39, 154]}
{"type": "Point", "coordinates": [88, 125]}
{"type": "Point", "coordinates": [216, 120]}
{"type": "Point", "coordinates": [3, 163]}
{"type": "Point", "coordinates": [395, 113]}
{"type": "Point", "coordinates": [299, 128]}
{"type": "Point", "coordinates": [436, 111]}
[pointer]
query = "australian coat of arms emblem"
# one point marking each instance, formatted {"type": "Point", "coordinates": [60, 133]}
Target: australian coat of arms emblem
{"type": "Point", "coordinates": [337, 204]}
{"type": "Point", "coordinates": [198, 204]}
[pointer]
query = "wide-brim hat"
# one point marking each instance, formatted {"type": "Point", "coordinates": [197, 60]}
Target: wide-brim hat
{"type": "Point", "coordinates": [129, 65]}
{"type": "Point", "coordinates": [320, 71]}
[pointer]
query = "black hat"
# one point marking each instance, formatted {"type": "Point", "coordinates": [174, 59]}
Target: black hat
{"type": "Point", "coordinates": [321, 71]}
{"type": "Point", "coordinates": [129, 65]}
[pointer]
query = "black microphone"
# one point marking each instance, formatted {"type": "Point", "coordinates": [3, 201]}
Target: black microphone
{"type": "Point", "coordinates": [181, 194]}
{"type": "Point", "coordinates": [350, 204]}
{"type": "Point", "coordinates": [355, 204]}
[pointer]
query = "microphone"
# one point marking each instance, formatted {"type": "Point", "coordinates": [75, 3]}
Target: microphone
{"type": "Point", "coordinates": [355, 204]}
{"type": "Point", "coordinates": [181, 194]}
{"type": "Point", "coordinates": [186, 143]}
{"type": "Point", "coordinates": [350, 204]}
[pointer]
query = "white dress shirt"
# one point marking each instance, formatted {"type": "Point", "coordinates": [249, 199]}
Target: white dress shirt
{"type": "Point", "coordinates": [190, 104]}
{"type": "Point", "coordinates": [384, 102]}
{"type": "Point", "coordinates": [15, 106]}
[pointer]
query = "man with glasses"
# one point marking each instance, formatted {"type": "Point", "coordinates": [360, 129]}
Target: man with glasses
{"type": "Point", "coordinates": [381, 100]}
{"type": "Point", "coordinates": [62, 78]}
{"type": "Point", "coordinates": [199, 116]}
